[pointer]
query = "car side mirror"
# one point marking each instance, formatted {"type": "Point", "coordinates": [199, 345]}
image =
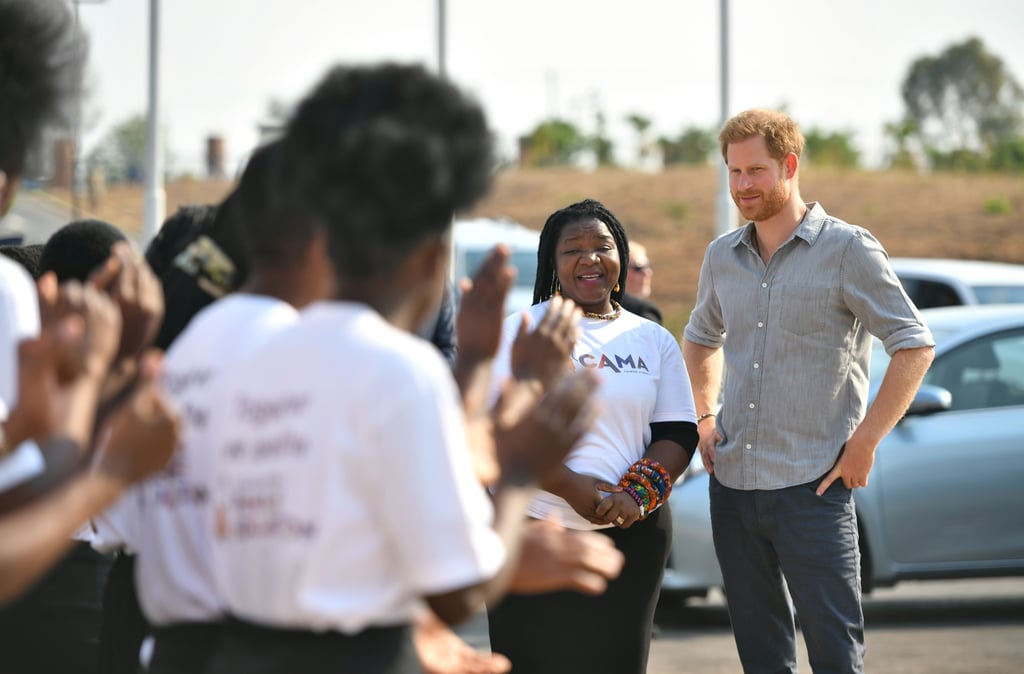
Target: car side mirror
{"type": "Point", "coordinates": [929, 400]}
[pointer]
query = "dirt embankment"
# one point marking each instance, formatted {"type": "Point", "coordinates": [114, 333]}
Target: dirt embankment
{"type": "Point", "coordinates": [976, 217]}
{"type": "Point", "coordinates": [673, 213]}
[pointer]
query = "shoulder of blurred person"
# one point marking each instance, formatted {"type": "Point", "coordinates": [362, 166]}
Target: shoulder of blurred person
{"type": "Point", "coordinates": [443, 335]}
{"type": "Point", "coordinates": [641, 307]}
{"type": "Point", "coordinates": [178, 256]}
{"type": "Point", "coordinates": [27, 255]}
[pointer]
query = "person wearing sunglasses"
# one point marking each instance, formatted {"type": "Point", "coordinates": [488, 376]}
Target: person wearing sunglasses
{"type": "Point", "coordinates": [638, 284]}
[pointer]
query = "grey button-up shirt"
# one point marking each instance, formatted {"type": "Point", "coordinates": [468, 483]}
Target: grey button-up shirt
{"type": "Point", "coordinates": [796, 335]}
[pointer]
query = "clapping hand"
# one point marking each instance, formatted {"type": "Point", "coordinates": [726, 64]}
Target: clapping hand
{"type": "Point", "coordinates": [545, 352]}
{"type": "Point", "coordinates": [481, 308]}
{"type": "Point", "coordinates": [555, 558]}
{"type": "Point", "coordinates": [40, 360]}
{"type": "Point", "coordinates": [534, 431]}
{"type": "Point", "coordinates": [133, 286]}
{"type": "Point", "coordinates": [142, 431]}
{"type": "Point", "coordinates": [100, 320]}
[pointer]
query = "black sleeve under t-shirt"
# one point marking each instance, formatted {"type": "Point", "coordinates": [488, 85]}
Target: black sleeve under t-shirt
{"type": "Point", "coordinates": [682, 433]}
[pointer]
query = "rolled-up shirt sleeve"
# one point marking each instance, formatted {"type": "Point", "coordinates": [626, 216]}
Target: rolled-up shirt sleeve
{"type": "Point", "coordinates": [876, 297]}
{"type": "Point", "coordinates": [706, 326]}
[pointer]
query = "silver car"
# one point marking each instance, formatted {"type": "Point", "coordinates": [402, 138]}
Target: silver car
{"type": "Point", "coordinates": [945, 498]}
{"type": "Point", "coordinates": [941, 283]}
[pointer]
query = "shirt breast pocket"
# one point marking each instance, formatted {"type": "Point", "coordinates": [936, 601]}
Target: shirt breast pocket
{"type": "Point", "coordinates": [803, 309]}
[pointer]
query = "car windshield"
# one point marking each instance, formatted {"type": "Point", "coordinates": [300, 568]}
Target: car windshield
{"type": "Point", "coordinates": [525, 263]}
{"type": "Point", "coordinates": [880, 359]}
{"type": "Point", "coordinates": [999, 294]}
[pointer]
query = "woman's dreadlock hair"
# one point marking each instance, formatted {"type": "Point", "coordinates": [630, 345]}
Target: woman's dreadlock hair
{"type": "Point", "coordinates": [547, 273]}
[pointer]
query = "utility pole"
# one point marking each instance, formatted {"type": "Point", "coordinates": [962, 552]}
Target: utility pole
{"type": "Point", "coordinates": [154, 199]}
{"type": "Point", "coordinates": [442, 66]}
{"type": "Point", "coordinates": [725, 208]}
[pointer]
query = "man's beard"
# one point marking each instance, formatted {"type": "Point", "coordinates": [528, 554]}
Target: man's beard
{"type": "Point", "coordinates": [768, 206]}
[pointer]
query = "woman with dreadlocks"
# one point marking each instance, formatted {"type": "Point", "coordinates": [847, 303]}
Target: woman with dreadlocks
{"type": "Point", "coordinates": [620, 473]}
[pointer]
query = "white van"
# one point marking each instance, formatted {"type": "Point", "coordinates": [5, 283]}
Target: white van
{"type": "Point", "coordinates": [474, 239]}
{"type": "Point", "coordinates": [931, 282]}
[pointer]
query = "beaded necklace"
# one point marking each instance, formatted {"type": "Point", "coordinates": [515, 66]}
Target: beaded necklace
{"type": "Point", "coordinates": [611, 316]}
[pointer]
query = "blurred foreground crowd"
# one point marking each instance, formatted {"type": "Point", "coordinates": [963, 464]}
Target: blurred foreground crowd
{"type": "Point", "coordinates": [275, 442]}
{"type": "Point", "coordinates": [368, 488]}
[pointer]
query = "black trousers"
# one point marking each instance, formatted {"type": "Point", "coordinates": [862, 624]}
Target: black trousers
{"type": "Point", "coordinates": [55, 626]}
{"type": "Point", "coordinates": [563, 632]}
{"type": "Point", "coordinates": [184, 648]}
{"type": "Point", "coordinates": [254, 649]}
{"type": "Point", "coordinates": [124, 627]}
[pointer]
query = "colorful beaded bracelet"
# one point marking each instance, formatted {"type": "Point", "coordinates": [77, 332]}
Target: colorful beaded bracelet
{"type": "Point", "coordinates": [662, 473]}
{"type": "Point", "coordinates": [648, 483]}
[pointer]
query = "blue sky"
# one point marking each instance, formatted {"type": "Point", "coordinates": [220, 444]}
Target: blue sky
{"type": "Point", "coordinates": [837, 65]}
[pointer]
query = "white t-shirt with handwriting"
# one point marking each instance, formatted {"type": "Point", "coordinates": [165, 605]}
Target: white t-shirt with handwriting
{"type": "Point", "coordinates": [164, 519]}
{"type": "Point", "coordinates": [344, 490]}
{"type": "Point", "coordinates": [19, 320]}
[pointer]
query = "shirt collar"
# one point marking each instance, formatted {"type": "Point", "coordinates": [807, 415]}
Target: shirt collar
{"type": "Point", "coordinates": [808, 229]}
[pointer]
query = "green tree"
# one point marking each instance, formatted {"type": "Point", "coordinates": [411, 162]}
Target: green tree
{"type": "Point", "coordinates": [831, 148]}
{"type": "Point", "coordinates": [122, 152]}
{"type": "Point", "coordinates": [959, 159]}
{"type": "Point", "coordinates": [903, 154]}
{"type": "Point", "coordinates": [962, 104]}
{"type": "Point", "coordinates": [1008, 155]}
{"type": "Point", "coordinates": [600, 144]}
{"type": "Point", "coordinates": [640, 125]}
{"type": "Point", "coordinates": [693, 146]}
{"type": "Point", "coordinates": [554, 142]}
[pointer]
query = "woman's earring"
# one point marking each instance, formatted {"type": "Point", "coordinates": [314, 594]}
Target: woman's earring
{"type": "Point", "coordinates": [616, 288]}
{"type": "Point", "coordinates": [558, 287]}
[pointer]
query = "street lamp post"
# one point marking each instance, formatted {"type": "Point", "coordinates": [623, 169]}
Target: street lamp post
{"type": "Point", "coordinates": [154, 200]}
{"type": "Point", "coordinates": [726, 210]}
{"type": "Point", "coordinates": [442, 66]}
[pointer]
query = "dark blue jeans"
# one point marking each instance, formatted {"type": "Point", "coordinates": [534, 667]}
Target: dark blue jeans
{"type": "Point", "coordinates": [768, 540]}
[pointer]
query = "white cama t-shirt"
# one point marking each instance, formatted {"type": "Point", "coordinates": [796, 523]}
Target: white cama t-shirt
{"type": "Point", "coordinates": [643, 380]}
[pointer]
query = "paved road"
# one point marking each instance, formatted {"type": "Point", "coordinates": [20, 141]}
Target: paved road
{"type": "Point", "coordinates": [957, 627]}
{"type": "Point", "coordinates": [35, 216]}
